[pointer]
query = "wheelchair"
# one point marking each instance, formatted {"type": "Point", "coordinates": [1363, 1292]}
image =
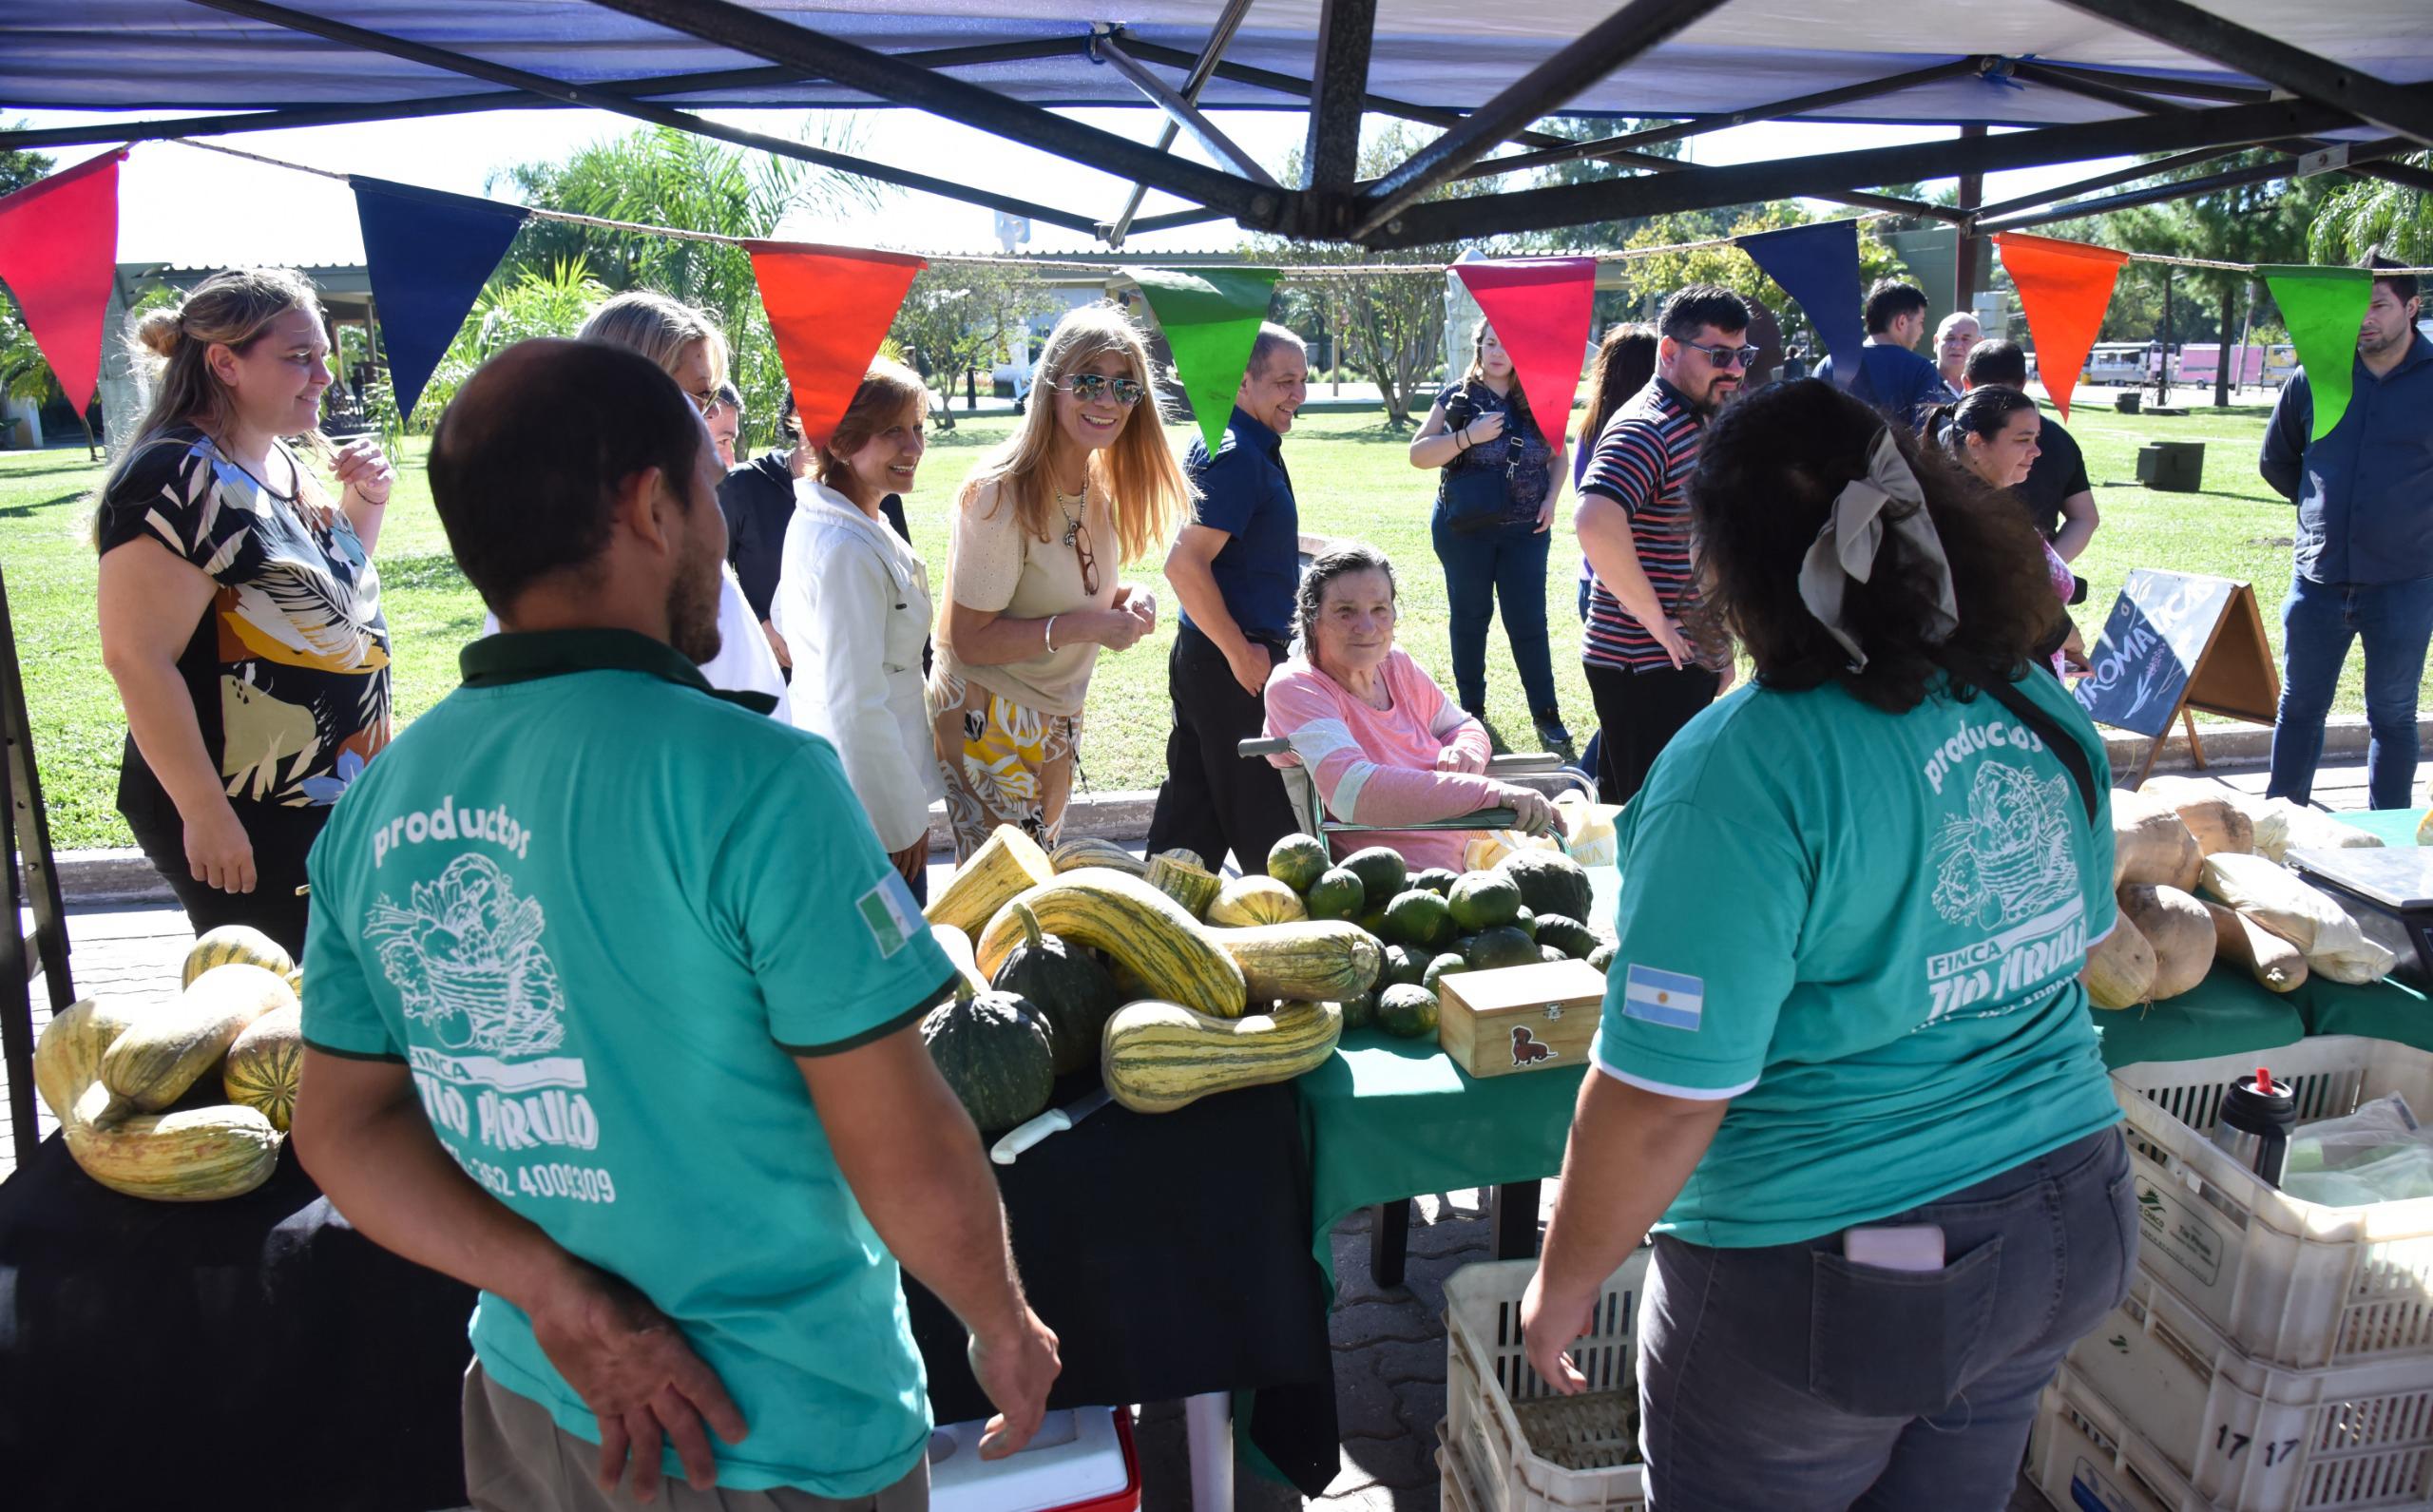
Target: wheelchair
{"type": "Point", "coordinates": [1540, 770]}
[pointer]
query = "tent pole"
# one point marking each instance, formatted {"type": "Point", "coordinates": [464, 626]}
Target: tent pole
{"type": "Point", "coordinates": [1964, 250]}
{"type": "Point", "coordinates": [750, 32]}
{"type": "Point", "coordinates": [1201, 68]}
{"type": "Point", "coordinates": [1285, 83]}
{"type": "Point", "coordinates": [1628, 32]}
{"type": "Point", "coordinates": [2161, 84]}
{"type": "Point", "coordinates": [2276, 63]}
{"type": "Point", "coordinates": [641, 110]}
{"type": "Point", "coordinates": [1338, 89]}
{"type": "Point", "coordinates": [2180, 189]}
{"type": "Point", "coordinates": [2108, 181]}
{"type": "Point", "coordinates": [1181, 112]}
{"type": "Point", "coordinates": [1742, 184]}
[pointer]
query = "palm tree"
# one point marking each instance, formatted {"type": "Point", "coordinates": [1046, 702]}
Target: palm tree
{"type": "Point", "coordinates": [25, 374]}
{"type": "Point", "coordinates": [2370, 214]}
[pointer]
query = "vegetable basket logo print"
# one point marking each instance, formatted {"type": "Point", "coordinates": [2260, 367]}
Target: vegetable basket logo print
{"type": "Point", "coordinates": [2008, 856]}
{"type": "Point", "coordinates": [464, 953]}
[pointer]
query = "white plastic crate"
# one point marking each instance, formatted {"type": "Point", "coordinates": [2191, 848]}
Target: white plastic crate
{"type": "Point", "coordinates": [1456, 1487]}
{"type": "Point", "coordinates": [2254, 1437]}
{"type": "Point", "coordinates": [2295, 1284]}
{"type": "Point", "coordinates": [2082, 1455]}
{"type": "Point", "coordinates": [1503, 1424]}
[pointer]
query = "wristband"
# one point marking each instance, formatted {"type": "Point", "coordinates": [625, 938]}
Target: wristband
{"type": "Point", "coordinates": [1463, 435]}
{"type": "Point", "coordinates": [1048, 634]}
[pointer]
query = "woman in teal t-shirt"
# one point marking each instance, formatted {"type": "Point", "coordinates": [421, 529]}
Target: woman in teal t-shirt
{"type": "Point", "coordinates": [1849, 1077]}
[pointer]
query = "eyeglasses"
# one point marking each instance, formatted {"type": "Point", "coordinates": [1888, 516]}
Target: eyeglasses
{"type": "Point", "coordinates": [708, 402]}
{"type": "Point", "coordinates": [1080, 537]}
{"type": "Point", "coordinates": [1091, 387]}
{"type": "Point", "coordinates": [1722, 356]}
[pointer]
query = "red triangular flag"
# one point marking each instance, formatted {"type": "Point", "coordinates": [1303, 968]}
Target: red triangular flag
{"type": "Point", "coordinates": [58, 254]}
{"type": "Point", "coordinates": [829, 308]}
{"type": "Point", "coordinates": [2064, 287]}
{"type": "Point", "coordinates": [1541, 309]}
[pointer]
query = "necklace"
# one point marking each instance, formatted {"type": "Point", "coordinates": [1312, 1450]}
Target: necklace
{"type": "Point", "coordinates": [1064, 504]}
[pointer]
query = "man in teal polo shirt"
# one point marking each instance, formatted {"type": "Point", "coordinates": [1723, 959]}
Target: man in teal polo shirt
{"type": "Point", "coordinates": [614, 1010]}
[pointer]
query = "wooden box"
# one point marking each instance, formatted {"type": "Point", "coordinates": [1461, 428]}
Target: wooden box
{"type": "Point", "coordinates": [1519, 1017]}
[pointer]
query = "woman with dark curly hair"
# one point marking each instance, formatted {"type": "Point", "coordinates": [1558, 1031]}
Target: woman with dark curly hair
{"type": "Point", "coordinates": [1848, 1075]}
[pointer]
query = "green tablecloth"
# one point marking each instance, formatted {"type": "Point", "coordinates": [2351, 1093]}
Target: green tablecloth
{"type": "Point", "coordinates": [1389, 1118]}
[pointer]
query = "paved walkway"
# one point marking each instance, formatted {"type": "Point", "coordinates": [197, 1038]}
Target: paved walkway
{"type": "Point", "coordinates": [1388, 1342]}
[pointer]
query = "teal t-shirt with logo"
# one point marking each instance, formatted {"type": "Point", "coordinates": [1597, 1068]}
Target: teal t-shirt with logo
{"type": "Point", "coordinates": [599, 909]}
{"type": "Point", "coordinates": [1865, 929]}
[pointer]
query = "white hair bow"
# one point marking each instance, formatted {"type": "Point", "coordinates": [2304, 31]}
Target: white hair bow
{"type": "Point", "coordinates": [1845, 549]}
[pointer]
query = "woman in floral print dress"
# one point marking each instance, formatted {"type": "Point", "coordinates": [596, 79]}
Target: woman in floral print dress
{"type": "Point", "coordinates": [1085, 483]}
{"type": "Point", "coordinates": [240, 608]}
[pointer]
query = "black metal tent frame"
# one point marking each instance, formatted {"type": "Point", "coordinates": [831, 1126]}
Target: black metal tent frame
{"type": "Point", "coordinates": [2306, 96]}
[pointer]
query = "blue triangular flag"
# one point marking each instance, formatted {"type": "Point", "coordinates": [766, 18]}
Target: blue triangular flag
{"type": "Point", "coordinates": [429, 254]}
{"type": "Point", "coordinates": [1818, 265]}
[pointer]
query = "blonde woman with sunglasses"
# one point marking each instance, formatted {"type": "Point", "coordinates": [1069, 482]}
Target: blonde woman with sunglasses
{"type": "Point", "coordinates": [1085, 484]}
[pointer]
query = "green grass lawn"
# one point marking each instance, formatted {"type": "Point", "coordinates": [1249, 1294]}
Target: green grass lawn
{"type": "Point", "coordinates": [1352, 480]}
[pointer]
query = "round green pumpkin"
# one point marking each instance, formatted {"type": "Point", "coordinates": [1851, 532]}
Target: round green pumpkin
{"type": "Point", "coordinates": [1550, 882]}
{"type": "Point", "coordinates": [1419, 917]}
{"type": "Point", "coordinates": [1360, 1012]}
{"type": "Point", "coordinates": [1438, 880]}
{"type": "Point", "coordinates": [1072, 994]}
{"type": "Point", "coordinates": [1380, 868]}
{"type": "Point", "coordinates": [1570, 936]}
{"type": "Point", "coordinates": [1298, 861]}
{"type": "Point", "coordinates": [1441, 967]}
{"type": "Point", "coordinates": [1407, 1011]}
{"type": "Point", "coordinates": [1481, 900]}
{"type": "Point", "coordinates": [993, 1051]}
{"type": "Point", "coordinates": [1602, 957]}
{"type": "Point", "coordinates": [1403, 964]}
{"type": "Point", "coordinates": [1337, 894]}
{"type": "Point", "coordinates": [1526, 922]}
{"type": "Point", "coordinates": [1550, 954]}
{"type": "Point", "coordinates": [1499, 946]}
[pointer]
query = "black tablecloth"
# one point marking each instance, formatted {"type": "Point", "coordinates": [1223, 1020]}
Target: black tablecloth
{"type": "Point", "coordinates": [1170, 1252]}
{"type": "Point", "coordinates": [269, 1355]}
{"type": "Point", "coordinates": [257, 1354]}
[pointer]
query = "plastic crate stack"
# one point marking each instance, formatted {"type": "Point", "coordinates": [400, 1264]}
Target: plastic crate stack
{"type": "Point", "coordinates": [2274, 1355]}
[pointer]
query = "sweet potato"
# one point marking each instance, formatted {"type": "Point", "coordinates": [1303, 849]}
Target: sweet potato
{"type": "Point", "coordinates": [2276, 963]}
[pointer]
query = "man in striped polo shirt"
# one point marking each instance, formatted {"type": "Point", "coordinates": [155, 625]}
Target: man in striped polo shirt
{"type": "Point", "coordinates": [1648, 677]}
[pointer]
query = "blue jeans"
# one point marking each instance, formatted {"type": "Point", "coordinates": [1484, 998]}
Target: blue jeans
{"type": "Point", "coordinates": [1786, 1378]}
{"type": "Point", "coordinates": [2393, 621]}
{"type": "Point", "coordinates": [1506, 561]}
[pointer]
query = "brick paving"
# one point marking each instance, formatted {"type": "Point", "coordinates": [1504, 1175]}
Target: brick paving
{"type": "Point", "coordinates": [1388, 1342]}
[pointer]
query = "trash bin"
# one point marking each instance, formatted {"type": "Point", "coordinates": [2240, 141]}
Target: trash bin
{"type": "Point", "coordinates": [2172, 467]}
{"type": "Point", "coordinates": [2127, 400]}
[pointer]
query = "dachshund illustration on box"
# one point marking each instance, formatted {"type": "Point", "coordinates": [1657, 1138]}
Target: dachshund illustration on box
{"type": "Point", "coordinates": [1527, 1049]}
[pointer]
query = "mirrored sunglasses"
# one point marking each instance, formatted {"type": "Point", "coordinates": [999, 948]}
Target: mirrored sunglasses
{"type": "Point", "coordinates": [1091, 387]}
{"type": "Point", "coordinates": [1723, 356]}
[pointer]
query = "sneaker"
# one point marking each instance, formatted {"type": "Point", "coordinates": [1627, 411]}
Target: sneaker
{"type": "Point", "coordinates": [1550, 730]}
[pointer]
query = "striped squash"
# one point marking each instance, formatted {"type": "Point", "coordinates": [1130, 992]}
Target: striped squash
{"type": "Point", "coordinates": [195, 1155]}
{"type": "Point", "coordinates": [1246, 901]}
{"type": "Point", "coordinates": [1071, 856]}
{"type": "Point", "coordinates": [1146, 932]}
{"type": "Point", "coordinates": [1007, 863]}
{"type": "Point", "coordinates": [265, 1063]}
{"type": "Point", "coordinates": [1158, 1057]}
{"type": "Point", "coordinates": [1317, 960]}
{"type": "Point", "coordinates": [236, 943]}
{"type": "Point", "coordinates": [1179, 875]}
{"type": "Point", "coordinates": [168, 1048]}
{"type": "Point", "coordinates": [69, 1055]}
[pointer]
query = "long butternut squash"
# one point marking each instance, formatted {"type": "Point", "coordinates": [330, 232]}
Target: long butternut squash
{"type": "Point", "coordinates": [168, 1049]}
{"type": "Point", "coordinates": [1007, 863]}
{"type": "Point", "coordinates": [1310, 960]}
{"type": "Point", "coordinates": [1148, 934]}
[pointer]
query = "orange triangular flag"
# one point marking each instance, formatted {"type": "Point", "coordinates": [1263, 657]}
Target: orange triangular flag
{"type": "Point", "coordinates": [2064, 287]}
{"type": "Point", "coordinates": [829, 308]}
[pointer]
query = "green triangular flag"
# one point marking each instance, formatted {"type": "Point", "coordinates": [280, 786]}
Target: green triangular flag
{"type": "Point", "coordinates": [1210, 316]}
{"type": "Point", "coordinates": [2323, 308]}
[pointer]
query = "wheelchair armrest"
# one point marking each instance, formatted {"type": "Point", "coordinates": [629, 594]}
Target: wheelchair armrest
{"type": "Point", "coordinates": [1514, 763]}
{"type": "Point", "coordinates": [1263, 746]}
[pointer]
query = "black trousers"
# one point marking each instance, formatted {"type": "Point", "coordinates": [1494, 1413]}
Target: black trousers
{"type": "Point", "coordinates": [1214, 801]}
{"type": "Point", "coordinates": [1637, 716]}
{"type": "Point", "coordinates": [283, 838]}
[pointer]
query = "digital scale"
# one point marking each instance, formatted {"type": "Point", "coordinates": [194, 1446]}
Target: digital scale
{"type": "Point", "coordinates": [2393, 881]}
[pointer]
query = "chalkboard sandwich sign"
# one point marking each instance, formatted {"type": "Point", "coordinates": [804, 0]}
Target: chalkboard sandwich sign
{"type": "Point", "coordinates": [2174, 642]}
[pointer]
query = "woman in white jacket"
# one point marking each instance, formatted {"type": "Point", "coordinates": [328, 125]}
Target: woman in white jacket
{"type": "Point", "coordinates": [854, 605]}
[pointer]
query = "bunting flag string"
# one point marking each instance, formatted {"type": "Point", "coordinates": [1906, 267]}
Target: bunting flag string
{"type": "Point", "coordinates": [2064, 287]}
{"type": "Point", "coordinates": [1818, 265]}
{"type": "Point", "coordinates": [829, 308]}
{"type": "Point", "coordinates": [1542, 309]}
{"type": "Point", "coordinates": [59, 256]}
{"type": "Point", "coordinates": [2323, 308]}
{"type": "Point", "coordinates": [428, 254]}
{"type": "Point", "coordinates": [1211, 318]}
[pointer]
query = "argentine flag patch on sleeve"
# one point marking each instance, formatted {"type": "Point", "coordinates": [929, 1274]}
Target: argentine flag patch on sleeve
{"type": "Point", "coordinates": [1663, 997]}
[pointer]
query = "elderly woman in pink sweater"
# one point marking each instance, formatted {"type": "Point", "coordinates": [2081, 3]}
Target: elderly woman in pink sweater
{"type": "Point", "coordinates": [1385, 744]}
